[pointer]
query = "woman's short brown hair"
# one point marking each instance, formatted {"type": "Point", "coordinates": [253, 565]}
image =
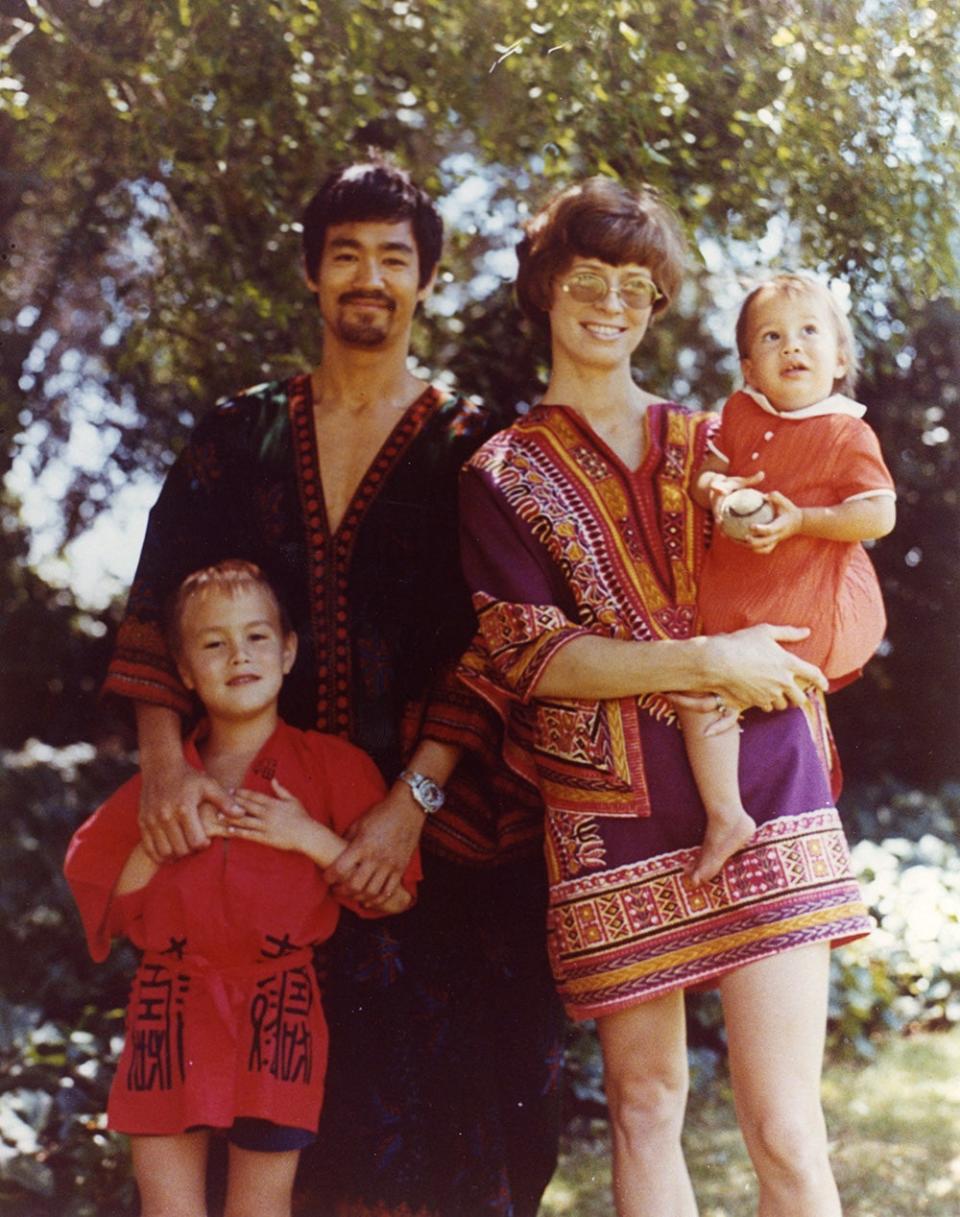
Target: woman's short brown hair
{"type": "Point", "coordinates": [599, 218]}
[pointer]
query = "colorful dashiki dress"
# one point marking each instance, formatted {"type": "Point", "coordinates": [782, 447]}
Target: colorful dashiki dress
{"type": "Point", "coordinates": [560, 539]}
{"type": "Point", "coordinates": [225, 1018]}
{"type": "Point", "coordinates": [819, 456]}
{"type": "Point", "coordinates": [446, 1034]}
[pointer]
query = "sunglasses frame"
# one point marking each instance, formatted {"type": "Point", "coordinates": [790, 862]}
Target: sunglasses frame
{"type": "Point", "coordinates": [567, 286]}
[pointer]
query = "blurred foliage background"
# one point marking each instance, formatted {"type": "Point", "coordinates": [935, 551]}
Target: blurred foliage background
{"type": "Point", "coordinates": [154, 160]}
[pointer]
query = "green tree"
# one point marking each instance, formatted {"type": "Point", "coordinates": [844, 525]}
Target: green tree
{"type": "Point", "coordinates": [156, 157]}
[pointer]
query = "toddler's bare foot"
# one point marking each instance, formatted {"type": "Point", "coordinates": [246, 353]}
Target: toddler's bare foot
{"type": "Point", "coordinates": [724, 836]}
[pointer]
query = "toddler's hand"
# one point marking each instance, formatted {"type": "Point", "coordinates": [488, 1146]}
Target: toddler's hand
{"type": "Point", "coordinates": [764, 538]}
{"type": "Point", "coordinates": [722, 485]}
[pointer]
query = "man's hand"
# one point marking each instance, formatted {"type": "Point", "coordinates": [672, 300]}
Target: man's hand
{"type": "Point", "coordinates": [381, 844]}
{"type": "Point", "coordinates": [170, 821]}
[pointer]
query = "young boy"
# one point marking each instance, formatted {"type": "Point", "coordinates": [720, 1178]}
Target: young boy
{"type": "Point", "coordinates": [225, 1028]}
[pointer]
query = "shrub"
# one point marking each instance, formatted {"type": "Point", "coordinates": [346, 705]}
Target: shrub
{"type": "Point", "coordinates": [61, 1016]}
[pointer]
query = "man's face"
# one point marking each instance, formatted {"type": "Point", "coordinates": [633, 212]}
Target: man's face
{"type": "Point", "coordinates": [367, 282]}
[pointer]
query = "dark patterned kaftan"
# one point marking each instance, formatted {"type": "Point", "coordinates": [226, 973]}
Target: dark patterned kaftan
{"type": "Point", "coordinates": [560, 539]}
{"type": "Point", "coordinates": [442, 1089]}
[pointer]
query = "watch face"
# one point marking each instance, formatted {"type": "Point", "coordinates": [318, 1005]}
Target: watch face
{"type": "Point", "coordinates": [431, 794]}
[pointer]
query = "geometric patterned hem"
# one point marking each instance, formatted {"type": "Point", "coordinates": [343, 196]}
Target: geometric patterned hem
{"type": "Point", "coordinates": [622, 936]}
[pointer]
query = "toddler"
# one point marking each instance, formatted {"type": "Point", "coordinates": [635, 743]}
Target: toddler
{"type": "Point", "coordinates": [793, 429]}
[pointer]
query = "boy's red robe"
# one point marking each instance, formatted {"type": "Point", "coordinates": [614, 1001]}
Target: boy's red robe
{"type": "Point", "coordinates": [225, 1018]}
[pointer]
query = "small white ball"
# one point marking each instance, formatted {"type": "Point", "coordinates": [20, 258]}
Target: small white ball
{"type": "Point", "coordinates": [741, 509]}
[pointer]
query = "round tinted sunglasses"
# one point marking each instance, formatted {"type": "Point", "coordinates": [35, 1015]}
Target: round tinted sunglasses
{"type": "Point", "coordinates": [589, 287]}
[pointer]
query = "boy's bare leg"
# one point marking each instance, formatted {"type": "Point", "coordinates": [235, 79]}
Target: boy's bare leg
{"type": "Point", "coordinates": [260, 1184]}
{"type": "Point", "coordinates": [715, 761]}
{"type": "Point", "coordinates": [171, 1174]}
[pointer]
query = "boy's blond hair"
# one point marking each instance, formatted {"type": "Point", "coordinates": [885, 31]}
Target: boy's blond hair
{"type": "Point", "coordinates": [231, 576]}
{"type": "Point", "coordinates": [791, 284]}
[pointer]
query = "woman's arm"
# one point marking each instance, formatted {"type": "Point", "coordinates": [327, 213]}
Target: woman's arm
{"type": "Point", "coordinates": [749, 668]}
{"type": "Point", "coordinates": [502, 560]}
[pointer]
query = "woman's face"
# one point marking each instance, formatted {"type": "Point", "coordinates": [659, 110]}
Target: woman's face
{"type": "Point", "coordinates": [602, 332]}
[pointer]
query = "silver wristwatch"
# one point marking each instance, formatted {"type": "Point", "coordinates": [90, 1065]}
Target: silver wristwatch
{"type": "Point", "coordinates": [425, 790]}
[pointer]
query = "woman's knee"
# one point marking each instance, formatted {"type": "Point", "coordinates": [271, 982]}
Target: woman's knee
{"type": "Point", "coordinates": [647, 1104]}
{"type": "Point", "coordinates": [790, 1142]}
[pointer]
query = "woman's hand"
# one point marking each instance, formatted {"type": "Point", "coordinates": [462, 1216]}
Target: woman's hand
{"type": "Point", "coordinates": [381, 844]}
{"type": "Point", "coordinates": [750, 667]}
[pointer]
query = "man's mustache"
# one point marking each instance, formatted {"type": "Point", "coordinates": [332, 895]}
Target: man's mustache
{"type": "Point", "coordinates": [369, 297]}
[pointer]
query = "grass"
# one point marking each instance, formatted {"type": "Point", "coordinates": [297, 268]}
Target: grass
{"type": "Point", "coordinates": [895, 1141]}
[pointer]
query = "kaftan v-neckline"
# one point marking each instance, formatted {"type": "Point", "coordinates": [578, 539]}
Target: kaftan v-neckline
{"type": "Point", "coordinates": [638, 482]}
{"type": "Point", "coordinates": [329, 555]}
{"type": "Point", "coordinates": [408, 414]}
{"type": "Point", "coordinates": [650, 446]}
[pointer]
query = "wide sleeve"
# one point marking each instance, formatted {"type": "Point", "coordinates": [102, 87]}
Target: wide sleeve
{"type": "Point", "coordinates": [446, 711]}
{"type": "Point", "coordinates": [194, 522]}
{"type": "Point", "coordinates": [97, 853]}
{"type": "Point", "coordinates": [524, 611]}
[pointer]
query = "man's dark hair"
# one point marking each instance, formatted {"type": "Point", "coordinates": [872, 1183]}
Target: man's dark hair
{"type": "Point", "coordinates": [372, 190]}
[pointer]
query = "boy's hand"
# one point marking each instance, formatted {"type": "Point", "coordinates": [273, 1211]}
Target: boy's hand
{"type": "Point", "coordinates": [278, 822]}
{"type": "Point", "coordinates": [720, 715]}
{"type": "Point", "coordinates": [213, 822]}
{"type": "Point", "coordinates": [764, 538]}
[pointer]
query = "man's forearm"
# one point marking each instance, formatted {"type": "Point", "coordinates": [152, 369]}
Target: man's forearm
{"type": "Point", "coordinates": [435, 760]}
{"type": "Point", "coordinates": [158, 735]}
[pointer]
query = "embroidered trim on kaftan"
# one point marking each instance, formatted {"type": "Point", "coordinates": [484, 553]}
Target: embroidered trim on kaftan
{"type": "Point", "coordinates": [643, 927]}
{"type": "Point", "coordinates": [630, 563]}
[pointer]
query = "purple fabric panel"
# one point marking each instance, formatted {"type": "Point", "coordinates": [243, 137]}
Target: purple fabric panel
{"type": "Point", "coordinates": [780, 775]}
{"type": "Point", "coordinates": [500, 554]}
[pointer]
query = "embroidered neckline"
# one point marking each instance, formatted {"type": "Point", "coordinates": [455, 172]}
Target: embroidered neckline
{"type": "Point", "coordinates": [329, 554]}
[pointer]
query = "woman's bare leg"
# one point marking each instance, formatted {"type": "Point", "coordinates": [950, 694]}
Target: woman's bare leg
{"type": "Point", "coordinates": [171, 1174]}
{"type": "Point", "coordinates": [776, 1016]}
{"type": "Point", "coordinates": [260, 1184]}
{"type": "Point", "coordinates": [715, 761]}
{"type": "Point", "coordinates": [646, 1079]}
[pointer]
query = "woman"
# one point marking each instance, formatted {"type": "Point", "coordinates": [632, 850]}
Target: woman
{"type": "Point", "coordinates": [583, 547]}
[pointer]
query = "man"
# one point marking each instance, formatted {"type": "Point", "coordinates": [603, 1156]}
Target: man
{"type": "Point", "coordinates": [341, 485]}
